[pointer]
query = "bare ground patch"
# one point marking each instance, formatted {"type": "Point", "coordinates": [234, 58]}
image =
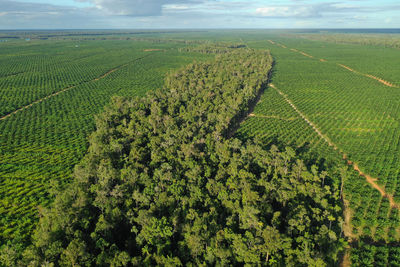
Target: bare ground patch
{"type": "Point", "coordinates": [153, 50]}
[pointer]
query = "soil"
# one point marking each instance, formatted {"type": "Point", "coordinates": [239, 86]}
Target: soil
{"type": "Point", "coordinates": [347, 214]}
{"type": "Point", "coordinates": [372, 182]}
{"type": "Point", "coordinates": [346, 259]}
{"type": "Point", "coordinates": [152, 50]}
{"type": "Point", "coordinates": [305, 54]}
{"type": "Point", "coordinates": [380, 80]}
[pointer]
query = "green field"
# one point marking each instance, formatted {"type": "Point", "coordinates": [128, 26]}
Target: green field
{"type": "Point", "coordinates": [358, 114]}
{"type": "Point", "coordinates": [40, 145]}
{"type": "Point", "coordinates": [330, 99]}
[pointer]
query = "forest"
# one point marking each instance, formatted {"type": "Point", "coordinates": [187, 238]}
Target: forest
{"type": "Point", "coordinates": [241, 147]}
{"type": "Point", "coordinates": [163, 184]}
{"type": "Point", "coordinates": [44, 128]}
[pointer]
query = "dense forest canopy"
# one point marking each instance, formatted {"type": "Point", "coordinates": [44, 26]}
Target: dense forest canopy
{"type": "Point", "coordinates": [213, 48]}
{"type": "Point", "coordinates": [163, 185]}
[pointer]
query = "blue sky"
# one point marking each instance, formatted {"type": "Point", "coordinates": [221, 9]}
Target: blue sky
{"type": "Point", "coordinates": [131, 14]}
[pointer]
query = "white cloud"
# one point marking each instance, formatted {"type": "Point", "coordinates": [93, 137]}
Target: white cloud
{"type": "Point", "coordinates": [344, 5]}
{"type": "Point", "coordinates": [176, 7]}
{"type": "Point", "coordinates": [286, 11]}
{"type": "Point", "coordinates": [194, 14]}
{"type": "Point", "coordinates": [131, 7]}
{"type": "Point", "coordinates": [140, 7]}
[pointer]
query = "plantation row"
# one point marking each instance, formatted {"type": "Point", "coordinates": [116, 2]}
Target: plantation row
{"type": "Point", "coordinates": [162, 186]}
{"type": "Point", "coordinates": [360, 114]}
{"type": "Point", "coordinates": [356, 117]}
{"type": "Point", "coordinates": [385, 40]}
{"type": "Point", "coordinates": [354, 113]}
{"type": "Point", "coordinates": [375, 61]}
{"type": "Point", "coordinates": [372, 215]}
{"type": "Point", "coordinates": [375, 255]}
{"type": "Point", "coordinates": [39, 146]}
{"type": "Point", "coordinates": [30, 77]}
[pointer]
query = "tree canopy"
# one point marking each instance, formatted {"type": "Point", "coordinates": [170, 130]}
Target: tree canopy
{"type": "Point", "coordinates": [163, 185]}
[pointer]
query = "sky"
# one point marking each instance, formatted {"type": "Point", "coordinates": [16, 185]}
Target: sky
{"type": "Point", "coordinates": [171, 14]}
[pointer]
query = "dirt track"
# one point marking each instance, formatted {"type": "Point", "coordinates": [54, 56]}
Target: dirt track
{"type": "Point", "coordinates": [368, 75]}
{"type": "Point", "coordinates": [382, 81]}
{"type": "Point", "coordinates": [109, 72]}
{"type": "Point", "coordinates": [153, 50]}
{"type": "Point", "coordinates": [368, 178]}
{"type": "Point", "coordinates": [372, 181]}
{"type": "Point", "coordinates": [305, 54]}
{"type": "Point", "coordinates": [65, 89]}
{"type": "Point", "coordinates": [304, 117]}
{"type": "Point", "coordinates": [36, 102]}
{"type": "Point", "coordinates": [271, 117]}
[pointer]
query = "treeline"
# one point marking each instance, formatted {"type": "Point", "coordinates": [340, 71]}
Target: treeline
{"type": "Point", "coordinates": [161, 185]}
{"type": "Point", "coordinates": [213, 48]}
{"type": "Point", "coordinates": [89, 35]}
{"type": "Point", "coordinates": [385, 40]}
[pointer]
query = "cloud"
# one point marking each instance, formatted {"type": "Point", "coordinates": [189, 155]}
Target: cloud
{"type": "Point", "coordinates": [22, 15]}
{"type": "Point", "coordinates": [287, 11]}
{"type": "Point", "coordinates": [140, 7]}
{"type": "Point", "coordinates": [176, 7]}
{"type": "Point", "coordinates": [316, 10]}
{"type": "Point", "coordinates": [304, 10]}
{"type": "Point", "coordinates": [130, 14]}
{"type": "Point", "coordinates": [131, 7]}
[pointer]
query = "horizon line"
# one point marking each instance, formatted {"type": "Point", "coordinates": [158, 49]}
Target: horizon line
{"type": "Point", "coordinates": [153, 29]}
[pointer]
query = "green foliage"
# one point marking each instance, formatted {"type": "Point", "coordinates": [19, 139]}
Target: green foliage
{"type": "Point", "coordinates": [161, 185]}
{"type": "Point", "coordinates": [350, 109]}
{"type": "Point", "coordinates": [367, 253]}
{"type": "Point", "coordinates": [39, 146]}
{"type": "Point", "coordinates": [214, 48]}
{"type": "Point", "coordinates": [353, 112]}
{"type": "Point", "coordinates": [385, 40]}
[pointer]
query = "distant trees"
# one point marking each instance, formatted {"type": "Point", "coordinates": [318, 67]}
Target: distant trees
{"type": "Point", "coordinates": [161, 185]}
{"type": "Point", "coordinates": [384, 40]}
{"type": "Point", "coordinates": [214, 48]}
